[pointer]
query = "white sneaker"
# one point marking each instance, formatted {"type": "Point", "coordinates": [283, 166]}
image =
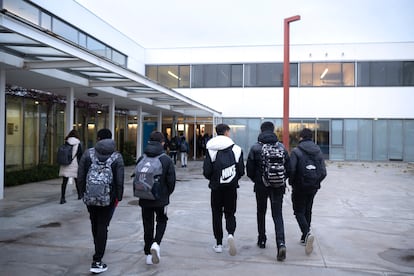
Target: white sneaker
{"type": "Point", "coordinates": [232, 245]}
{"type": "Point", "coordinates": [218, 248]}
{"type": "Point", "coordinates": [155, 252]}
{"type": "Point", "coordinates": [309, 243]}
{"type": "Point", "coordinates": [149, 260]}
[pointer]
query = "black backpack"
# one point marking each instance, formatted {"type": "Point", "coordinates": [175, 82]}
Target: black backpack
{"type": "Point", "coordinates": [309, 170]}
{"type": "Point", "coordinates": [224, 168]}
{"type": "Point", "coordinates": [273, 165]}
{"type": "Point", "coordinates": [64, 154]}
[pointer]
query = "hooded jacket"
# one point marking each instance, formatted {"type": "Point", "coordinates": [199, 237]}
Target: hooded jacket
{"type": "Point", "coordinates": [215, 144]}
{"type": "Point", "coordinates": [312, 149]}
{"type": "Point", "coordinates": [103, 150]}
{"type": "Point", "coordinates": [168, 178]}
{"type": "Point", "coordinates": [254, 160]}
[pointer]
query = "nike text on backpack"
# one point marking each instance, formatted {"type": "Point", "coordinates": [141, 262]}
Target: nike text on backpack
{"type": "Point", "coordinates": [310, 170]}
{"type": "Point", "coordinates": [64, 154]}
{"type": "Point", "coordinates": [273, 169]}
{"type": "Point", "coordinates": [99, 180]}
{"type": "Point", "coordinates": [224, 167]}
{"type": "Point", "coordinates": [147, 177]}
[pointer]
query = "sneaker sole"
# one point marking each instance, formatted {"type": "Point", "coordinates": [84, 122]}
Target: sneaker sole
{"type": "Point", "coordinates": [98, 270]}
{"type": "Point", "coordinates": [232, 247]}
{"type": "Point", "coordinates": [155, 258]}
{"type": "Point", "coordinates": [309, 244]}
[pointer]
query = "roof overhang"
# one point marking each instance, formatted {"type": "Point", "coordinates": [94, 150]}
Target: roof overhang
{"type": "Point", "coordinates": [34, 58]}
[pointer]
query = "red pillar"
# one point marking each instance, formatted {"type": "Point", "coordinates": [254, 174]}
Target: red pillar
{"type": "Point", "coordinates": [286, 81]}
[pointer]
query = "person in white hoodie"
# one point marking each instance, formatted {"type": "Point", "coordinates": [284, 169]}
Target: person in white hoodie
{"type": "Point", "coordinates": [223, 166]}
{"type": "Point", "coordinates": [71, 170]}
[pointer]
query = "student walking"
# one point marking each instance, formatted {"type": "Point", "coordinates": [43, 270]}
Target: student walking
{"type": "Point", "coordinates": [308, 170]}
{"type": "Point", "coordinates": [156, 209]}
{"type": "Point", "coordinates": [223, 167]}
{"type": "Point", "coordinates": [184, 149]}
{"type": "Point", "coordinates": [71, 170]}
{"type": "Point", "coordinates": [101, 184]}
{"type": "Point", "coordinates": [258, 171]}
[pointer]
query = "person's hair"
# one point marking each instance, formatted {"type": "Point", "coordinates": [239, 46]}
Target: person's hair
{"type": "Point", "coordinates": [157, 136]}
{"type": "Point", "coordinates": [267, 126]}
{"type": "Point", "coordinates": [221, 129]}
{"type": "Point", "coordinates": [73, 133]}
{"type": "Point", "coordinates": [104, 134]}
{"type": "Point", "coordinates": [306, 133]}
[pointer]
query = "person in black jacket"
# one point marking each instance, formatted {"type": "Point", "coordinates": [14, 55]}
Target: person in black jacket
{"type": "Point", "coordinates": [149, 208]}
{"type": "Point", "coordinates": [254, 172]}
{"type": "Point", "coordinates": [223, 187]}
{"type": "Point", "coordinates": [303, 196]}
{"type": "Point", "coordinates": [101, 216]}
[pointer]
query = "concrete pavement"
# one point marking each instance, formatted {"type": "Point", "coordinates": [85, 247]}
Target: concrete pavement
{"type": "Point", "coordinates": [363, 223]}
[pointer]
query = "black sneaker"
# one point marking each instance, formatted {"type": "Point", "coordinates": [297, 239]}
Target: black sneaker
{"type": "Point", "coordinates": [281, 252]}
{"type": "Point", "coordinates": [261, 243]}
{"type": "Point", "coordinates": [98, 267]}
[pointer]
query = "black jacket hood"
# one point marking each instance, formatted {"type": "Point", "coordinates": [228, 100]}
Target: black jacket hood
{"type": "Point", "coordinates": [153, 148]}
{"type": "Point", "coordinates": [267, 137]}
{"type": "Point", "coordinates": [309, 147]}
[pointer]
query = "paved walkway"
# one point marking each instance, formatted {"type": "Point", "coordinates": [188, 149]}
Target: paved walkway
{"type": "Point", "coordinates": [363, 222]}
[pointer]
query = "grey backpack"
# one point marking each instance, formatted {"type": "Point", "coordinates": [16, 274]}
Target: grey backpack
{"type": "Point", "coordinates": [147, 179]}
{"type": "Point", "coordinates": [99, 181]}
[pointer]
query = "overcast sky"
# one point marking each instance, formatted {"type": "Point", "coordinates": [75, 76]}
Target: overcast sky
{"type": "Point", "coordinates": [192, 23]}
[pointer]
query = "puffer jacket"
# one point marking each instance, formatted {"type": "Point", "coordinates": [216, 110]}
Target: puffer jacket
{"type": "Point", "coordinates": [215, 144]}
{"type": "Point", "coordinates": [71, 170]}
{"type": "Point", "coordinates": [254, 160]}
{"type": "Point", "coordinates": [103, 150]}
{"type": "Point", "coordinates": [168, 178]}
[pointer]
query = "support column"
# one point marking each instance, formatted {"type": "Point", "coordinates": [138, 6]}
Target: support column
{"type": "Point", "coordinates": [140, 120]}
{"type": "Point", "coordinates": [111, 122]}
{"type": "Point", "coordinates": [70, 110]}
{"type": "Point", "coordinates": [195, 138]}
{"type": "Point", "coordinates": [159, 121]}
{"type": "Point", "coordinates": [2, 128]}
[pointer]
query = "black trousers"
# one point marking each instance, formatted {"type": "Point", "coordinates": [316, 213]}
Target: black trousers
{"type": "Point", "coordinates": [148, 221]}
{"type": "Point", "coordinates": [100, 218]}
{"type": "Point", "coordinates": [223, 201]}
{"type": "Point", "coordinates": [276, 201]}
{"type": "Point", "coordinates": [302, 202]}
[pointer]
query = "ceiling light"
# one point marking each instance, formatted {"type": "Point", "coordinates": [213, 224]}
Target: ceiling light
{"type": "Point", "coordinates": [324, 73]}
{"type": "Point", "coordinates": [174, 75]}
{"type": "Point", "coordinates": [92, 94]}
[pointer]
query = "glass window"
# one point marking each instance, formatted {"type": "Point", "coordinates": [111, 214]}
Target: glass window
{"type": "Point", "coordinates": [351, 139]}
{"type": "Point", "coordinates": [337, 132]}
{"type": "Point", "coordinates": [211, 75]}
{"type": "Point", "coordinates": [387, 73]}
{"type": "Point", "coordinates": [184, 73]}
{"type": "Point", "coordinates": [264, 75]}
{"type": "Point", "coordinates": [14, 133]}
{"type": "Point", "coordinates": [96, 46]}
{"type": "Point", "coordinates": [327, 74]}
{"type": "Point", "coordinates": [408, 73]}
{"type": "Point", "coordinates": [169, 75]}
{"type": "Point", "coordinates": [237, 75]}
{"type": "Point", "coordinates": [23, 10]}
{"type": "Point", "coordinates": [409, 140]}
{"type": "Point", "coordinates": [396, 140]}
{"type": "Point", "coordinates": [65, 30]}
{"type": "Point", "coordinates": [82, 39]}
{"type": "Point", "coordinates": [365, 139]}
{"type": "Point", "coordinates": [45, 21]}
{"type": "Point", "coordinates": [380, 140]}
{"type": "Point", "coordinates": [151, 71]}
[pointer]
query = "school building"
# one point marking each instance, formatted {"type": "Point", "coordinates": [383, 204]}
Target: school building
{"type": "Point", "coordinates": [58, 72]}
